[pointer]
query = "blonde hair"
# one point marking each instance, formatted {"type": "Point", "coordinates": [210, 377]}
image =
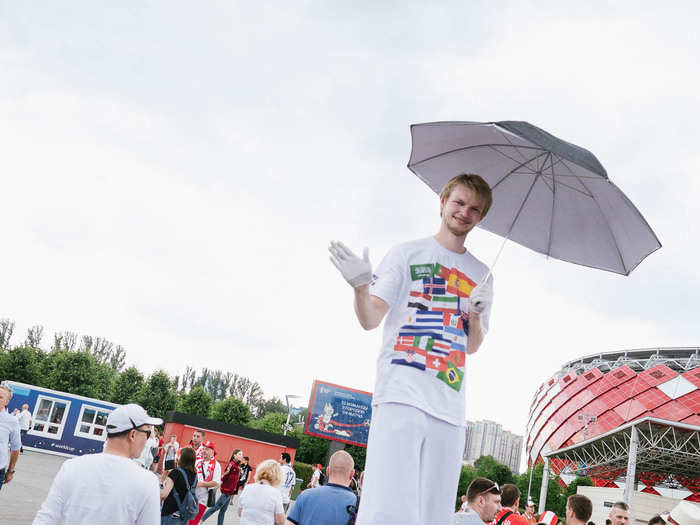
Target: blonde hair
{"type": "Point", "coordinates": [270, 471]}
{"type": "Point", "coordinates": [475, 183]}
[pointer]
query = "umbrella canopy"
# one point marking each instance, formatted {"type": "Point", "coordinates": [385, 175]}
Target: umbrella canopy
{"type": "Point", "coordinates": [548, 195]}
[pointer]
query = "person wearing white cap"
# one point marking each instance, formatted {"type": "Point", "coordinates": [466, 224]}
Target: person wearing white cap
{"type": "Point", "coordinates": [685, 513]}
{"type": "Point", "coordinates": [108, 487]}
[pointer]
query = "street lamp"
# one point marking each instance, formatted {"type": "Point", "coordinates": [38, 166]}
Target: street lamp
{"type": "Point", "coordinates": [287, 426]}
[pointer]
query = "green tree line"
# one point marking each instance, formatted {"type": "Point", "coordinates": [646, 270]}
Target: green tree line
{"type": "Point", "coordinates": [94, 367]}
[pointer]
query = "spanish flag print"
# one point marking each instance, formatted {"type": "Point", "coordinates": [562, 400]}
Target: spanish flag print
{"type": "Point", "coordinates": [457, 283]}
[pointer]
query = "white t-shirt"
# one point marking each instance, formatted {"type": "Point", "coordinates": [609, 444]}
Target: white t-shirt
{"type": "Point", "coordinates": [288, 479]}
{"type": "Point", "coordinates": [259, 503]}
{"type": "Point", "coordinates": [25, 419]}
{"type": "Point", "coordinates": [423, 353]}
{"type": "Point", "coordinates": [315, 477]}
{"type": "Point", "coordinates": [171, 450]}
{"type": "Point", "coordinates": [202, 493]}
{"type": "Point", "coordinates": [88, 489]}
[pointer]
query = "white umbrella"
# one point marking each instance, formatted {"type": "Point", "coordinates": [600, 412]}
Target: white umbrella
{"type": "Point", "coordinates": [548, 195]}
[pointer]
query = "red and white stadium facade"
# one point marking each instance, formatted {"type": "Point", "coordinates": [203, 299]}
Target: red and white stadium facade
{"type": "Point", "coordinates": [598, 393]}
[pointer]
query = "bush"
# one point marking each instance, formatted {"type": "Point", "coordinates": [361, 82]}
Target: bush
{"type": "Point", "coordinates": [303, 471]}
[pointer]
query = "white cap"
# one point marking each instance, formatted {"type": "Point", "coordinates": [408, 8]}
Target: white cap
{"type": "Point", "coordinates": [127, 417]}
{"type": "Point", "coordinates": [685, 513]}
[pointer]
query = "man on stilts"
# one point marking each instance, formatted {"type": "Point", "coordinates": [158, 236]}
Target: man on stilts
{"type": "Point", "coordinates": [435, 315]}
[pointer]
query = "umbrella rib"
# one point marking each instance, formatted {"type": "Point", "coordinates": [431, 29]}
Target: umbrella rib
{"type": "Point", "coordinates": [607, 223]}
{"type": "Point", "coordinates": [522, 205]}
{"type": "Point", "coordinates": [493, 147]}
{"type": "Point", "coordinates": [510, 142]}
{"type": "Point", "coordinates": [551, 217]}
{"type": "Point", "coordinates": [568, 186]}
{"type": "Point", "coordinates": [544, 152]}
{"type": "Point", "coordinates": [465, 148]}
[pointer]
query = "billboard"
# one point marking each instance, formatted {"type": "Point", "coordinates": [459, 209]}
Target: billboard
{"type": "Point", "coordinates": [339, 413]}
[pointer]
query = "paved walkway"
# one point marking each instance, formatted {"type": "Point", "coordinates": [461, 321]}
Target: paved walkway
{"type": "Point", "coordinates": [22, 497]}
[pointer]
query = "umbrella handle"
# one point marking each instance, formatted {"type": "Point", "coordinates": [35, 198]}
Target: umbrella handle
{"type": "Point", "coordinates": [495, 260]}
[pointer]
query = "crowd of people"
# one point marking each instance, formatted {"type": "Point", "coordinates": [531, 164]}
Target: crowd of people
{"type": "Point", "coordinates": [487, 503]}
{"type": "Point", "coordinates": [128, 482]}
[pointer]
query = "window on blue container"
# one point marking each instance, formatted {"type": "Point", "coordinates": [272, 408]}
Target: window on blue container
{"type": "Point", "coordinates": [49, 416]}
{"type": "Point", "coordinates": [92, 422]}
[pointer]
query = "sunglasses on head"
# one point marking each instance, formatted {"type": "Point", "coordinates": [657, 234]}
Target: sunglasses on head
{"type": "Point", "coordinates": [494, 489]}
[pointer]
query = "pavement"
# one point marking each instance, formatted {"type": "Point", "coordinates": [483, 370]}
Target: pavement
{"type": "Point", "coordinates": [22, 497]}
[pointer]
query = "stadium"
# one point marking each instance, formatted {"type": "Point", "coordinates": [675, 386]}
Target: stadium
{"type": "Point", "coordinates": [628, 419]}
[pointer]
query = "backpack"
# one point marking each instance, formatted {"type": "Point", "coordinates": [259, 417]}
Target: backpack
{"type": "Point", "coordinates": [322, 479]}
{"type": "Point", "coordinates": [188, 507]}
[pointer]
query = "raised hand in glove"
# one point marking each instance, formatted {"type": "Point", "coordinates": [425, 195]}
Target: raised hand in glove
{"type": "Point", "coordinates": [356, 271]}
{"type": "Point", "coordinates": [480, 298]}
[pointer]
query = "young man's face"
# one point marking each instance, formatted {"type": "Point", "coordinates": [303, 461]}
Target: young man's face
{"type": "Point", "coordinates": [196, 439]}
{"type": "Point", "coordinates": [490, 506]}
{"type": "Point", "coordinates": [530, 510]}
{"type": "Point", "coordinates": [461, 211]}
{"type": "Point", "coordinates": [619, 517]}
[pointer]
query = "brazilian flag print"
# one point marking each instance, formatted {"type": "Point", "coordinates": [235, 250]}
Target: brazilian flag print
{"type": "Point", "coordinates": [453, 376]}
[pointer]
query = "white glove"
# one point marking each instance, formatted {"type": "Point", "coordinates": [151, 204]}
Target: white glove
{"type": "Point", "coordinates": [356, 271]}
{"type": "Point", "coordinates": [480, 298]}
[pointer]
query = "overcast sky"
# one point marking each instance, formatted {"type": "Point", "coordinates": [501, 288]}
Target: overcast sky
{"type": "Point", "coordinates": [171, 175]}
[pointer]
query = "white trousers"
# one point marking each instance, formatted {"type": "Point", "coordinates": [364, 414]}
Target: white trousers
{"type": "Point", "coordinates": [412, 468]}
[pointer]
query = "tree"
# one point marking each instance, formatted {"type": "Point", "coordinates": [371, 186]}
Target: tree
{"type": "Point", "coordinates": [556, 501]}
{"type": "Point", "coordinates": [272, 422]}
{"type": "Point", "coordinates": [34, 336]}
{"type": "Point", "coordinates": [157, 395]}
{"type": "Point", "coordinates": [127, 386]}
{"type": "Point", "coordinates": [7, 327]}
{"type": "Point", "coordinates": [22, 364]}
{"type": "Point", "coordinates": [232, 410]}
{"type": "Point", "coordinates": [75, 372]}
{"type": "Point", "coordinates": [198, 402]}
{"type": "Point", "coordinates": [312, 449]}
{"type": "Point", "coordinates": [488, 467]}
{"type": "Point", "coordinates": [65, 341]}
{"type": "Point", "coordinates": [104, 351]}
{"type": "Point", "coordinates": [572, 487]}
{"type": "Point", "coordinates": [267, 406]}
{"type": "Point", "coordinates": [359, 455]}
{"type": "Point", "coordinates": [466, 476]}
{"type": "Point", "coordinates": [246, 390]}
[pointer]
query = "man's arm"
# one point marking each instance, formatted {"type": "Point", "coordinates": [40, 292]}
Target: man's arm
{"type": "Point", "coordinates": [370, 309]}
{"type": "Point", "coordinates": [14, 455]}
{"type": "Point", "coordinates": [476, 333]}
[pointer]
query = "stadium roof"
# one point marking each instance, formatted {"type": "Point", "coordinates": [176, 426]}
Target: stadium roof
{"type": "Point", "coordinates": [663, 446]}
{"type": "Point", "coordinates": [679, 359]}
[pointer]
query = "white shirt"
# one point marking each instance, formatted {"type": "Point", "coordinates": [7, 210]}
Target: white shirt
{"type": "Point", "coordinates": [202, 493]}
{"type": "Point", "coordinates": [288, 479]}
{"type": "Point", "coordinates": [315, 477]}
{"type": "Point", "coordinates": [423, 354]}
{"type": "Point", "coordinates": [259, 503]}
{"type": "Point", "coordinates": [101, 488]}
{"type": "Point", "coordinates": [25, 419]}
{"type": "Point", "coordinates": [171, 450]}
{"type": "Point", "coordinates": [9, 437]}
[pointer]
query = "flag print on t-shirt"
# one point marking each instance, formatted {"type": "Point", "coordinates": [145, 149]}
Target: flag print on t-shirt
{"type": "Point", "coordinates": [434, 339]}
